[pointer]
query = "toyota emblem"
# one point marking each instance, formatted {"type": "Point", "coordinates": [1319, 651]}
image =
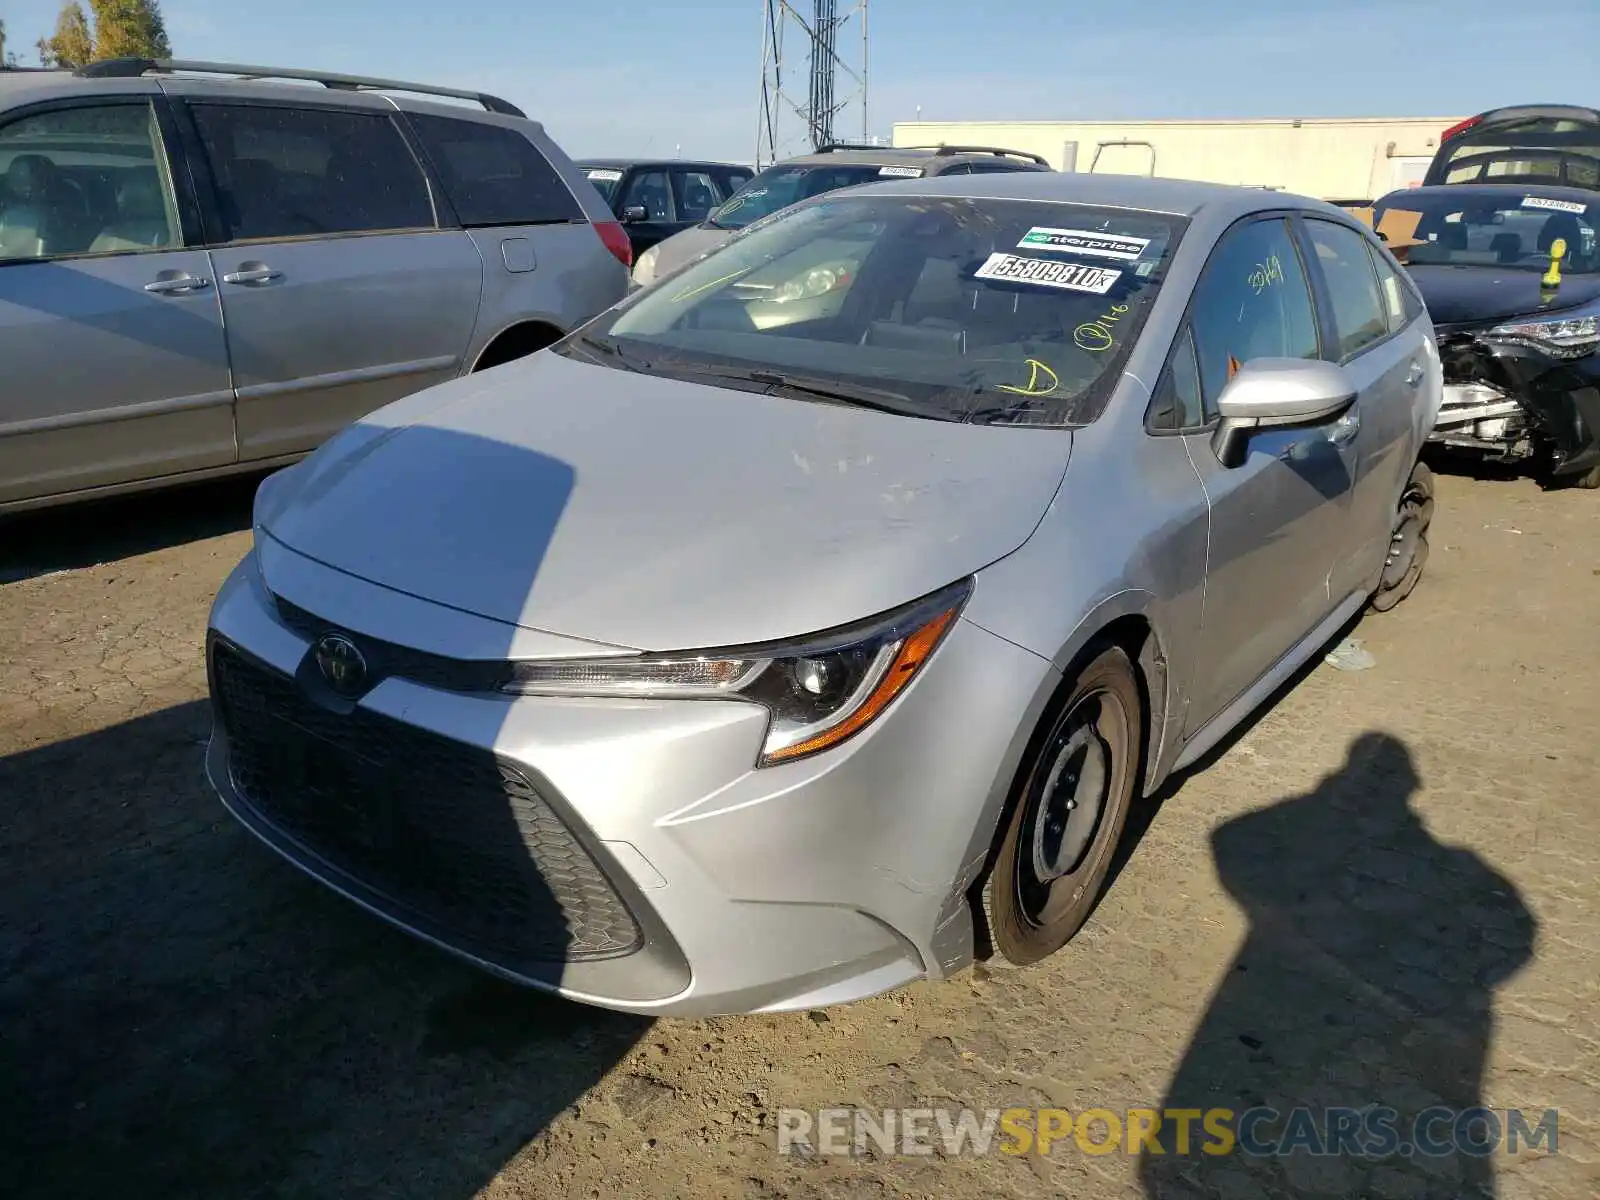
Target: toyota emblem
{"type": "Point", "coordinates": [341, 664]}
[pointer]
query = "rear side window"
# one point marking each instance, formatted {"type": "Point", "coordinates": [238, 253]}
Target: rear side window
{"type": "Point", "coordinates": [1359, 314]}
{"type": "Point", "coordinates": [1400, 303]}
{"type": "Point", "coordinates": [304, 172]}
{"type": "Point", "coordinates": [494, 176]}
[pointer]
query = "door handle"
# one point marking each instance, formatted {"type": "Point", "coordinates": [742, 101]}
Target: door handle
{"type": "Point", "coordinates": [176, 283]}
{"type": "Point", "coordinates": [252, 273]}
{"type": "Point", "coordinates": [1345, 429]}
{"type": "Point", "coordinates": [1415, 374]}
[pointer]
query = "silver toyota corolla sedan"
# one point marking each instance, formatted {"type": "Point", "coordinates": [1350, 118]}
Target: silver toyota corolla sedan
{"type": "Point", "coordinates": [808, 623]}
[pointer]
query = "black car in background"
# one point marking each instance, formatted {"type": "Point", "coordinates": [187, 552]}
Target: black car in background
{"type": "Point", "coordinates": [1557, 144]}
{"type": "Point", "coordinates": [655, 198]}
{"type": "Point", "coordinates": [1511, 278]}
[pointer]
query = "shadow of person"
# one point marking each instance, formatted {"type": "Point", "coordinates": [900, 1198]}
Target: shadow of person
{"type": "Point", "coordinates": [1363, 994]}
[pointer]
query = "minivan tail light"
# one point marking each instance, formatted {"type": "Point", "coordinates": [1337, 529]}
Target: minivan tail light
{"type": "Point", "coordinates": [1459, 128]}
{"type": "Point", "coordinates": [616, 240]}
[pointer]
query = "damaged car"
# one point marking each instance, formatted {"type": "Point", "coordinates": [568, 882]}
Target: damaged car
{"type": "Point", "coordinates": [1511, 277]}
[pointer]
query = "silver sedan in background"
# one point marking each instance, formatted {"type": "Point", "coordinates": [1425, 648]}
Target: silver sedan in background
{"type": "Point", "coordinates": [808, 623]}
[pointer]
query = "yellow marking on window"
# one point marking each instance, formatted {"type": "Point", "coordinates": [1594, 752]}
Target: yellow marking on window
{"type": "Point", "coordinates": [1037, 371]}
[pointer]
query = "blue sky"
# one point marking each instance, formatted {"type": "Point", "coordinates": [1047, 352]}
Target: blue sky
{"type": "Point", "coordinates": [623, 78]}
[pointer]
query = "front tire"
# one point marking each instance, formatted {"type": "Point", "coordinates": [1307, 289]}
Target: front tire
{"type": "Point", "coordinates": [1072, 801]}
{"type": "Point", "coordinates": [1408, 546]}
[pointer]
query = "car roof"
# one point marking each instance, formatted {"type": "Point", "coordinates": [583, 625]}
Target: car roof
{"type": "Point", "coordinates": [1178, 197]}
{"type": "Point", "coordinates": [907, 156]}
{"type": "Point", "coordinates": [1467, 192]}
{"type": "Point", "coordinates": [624, 163]}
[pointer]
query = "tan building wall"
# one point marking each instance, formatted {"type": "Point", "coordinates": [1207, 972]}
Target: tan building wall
{"type": "Point", "coordinates": [1357, 158]}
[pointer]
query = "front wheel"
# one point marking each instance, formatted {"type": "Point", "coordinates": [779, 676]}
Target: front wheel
{"type": "Point", "coordinates": [1408, 545]}
{"type": "Point", "coordinates": [1072, 802]}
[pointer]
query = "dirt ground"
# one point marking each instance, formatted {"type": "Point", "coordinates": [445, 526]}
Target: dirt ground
{"type": "Point", "coordinates": [1381, 893]}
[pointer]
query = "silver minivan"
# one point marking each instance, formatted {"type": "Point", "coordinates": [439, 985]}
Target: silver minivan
{"type": "Point", "coordinates": [207, 268]}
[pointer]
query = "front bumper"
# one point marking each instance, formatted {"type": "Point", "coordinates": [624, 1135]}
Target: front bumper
{"type": "Point", "coordinates": [1503, 396]}
{"type": "Point", "coordinates": [620, 853]}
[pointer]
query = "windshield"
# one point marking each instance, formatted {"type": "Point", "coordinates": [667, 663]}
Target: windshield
{"type": "Point", "coordinates": [948, 308]}
{"type": "Point", "coordinates": [779, 187]}
{"type": "Point", "coordinates": [1516, 229]}
{"type": "Point", "coordinates": [605, 180]}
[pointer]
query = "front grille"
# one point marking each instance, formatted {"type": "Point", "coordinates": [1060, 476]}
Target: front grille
{"type": "Point", "coordinates": [449, 839]}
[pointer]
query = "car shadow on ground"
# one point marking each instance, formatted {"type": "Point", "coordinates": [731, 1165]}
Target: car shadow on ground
{"type": "Point", "coordinates": [1365, 986]}
{"type": "Point", "coordinates": [85, 534]}
{"type": "Point", "coordinates": [181, 1013]}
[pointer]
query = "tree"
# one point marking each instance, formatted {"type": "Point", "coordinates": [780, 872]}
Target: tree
{"type": "Point", "coordinates": [72, 44]}
{"type": "Point", "coordinates": [129, 29]}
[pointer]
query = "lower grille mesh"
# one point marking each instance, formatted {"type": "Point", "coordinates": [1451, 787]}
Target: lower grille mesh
{"type": "Point", "coordinates": [449, 838]}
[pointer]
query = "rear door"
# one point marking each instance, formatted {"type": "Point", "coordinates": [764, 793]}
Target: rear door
{"type": "Point", "coordinates": [1387, 364]}
{"type": "Point", "coordinates": [113, 365]}
{"type": "Point", "coordinates": [1278, 519]}
{"type": "Point", "coordinates": [340, 289]}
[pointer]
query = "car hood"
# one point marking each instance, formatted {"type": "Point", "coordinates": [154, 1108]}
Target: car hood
{"type": "Point", "coordinates": [683, 248]}
{"type": "Point", "coordinates": [1478, 295]}
{"type": "Point", "coordinates": [659, 514]}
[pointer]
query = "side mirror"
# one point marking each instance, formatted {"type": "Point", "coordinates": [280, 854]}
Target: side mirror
{"type": "Point", "coordinates": [1278, 393]}
{"type": "Point", "coordinates": [634, 214]}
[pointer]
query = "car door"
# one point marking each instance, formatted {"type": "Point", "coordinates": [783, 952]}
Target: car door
{"type": "Point", "coordinates": [341, 289]}
{"type": "Point", "coordinates": [1387, 365]}
{"type": "Point", "coordinates": [644, 206]}
{"type": "Point", "coordinates": [113, 364]}
{"type": "Point", "coordinates": [1278, 518]}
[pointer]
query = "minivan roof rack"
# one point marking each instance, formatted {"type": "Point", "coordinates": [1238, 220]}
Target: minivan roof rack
{"type": "Point", "coordinates": [132, 68]}
{"type": "Point", "coordinates": [997, 151]}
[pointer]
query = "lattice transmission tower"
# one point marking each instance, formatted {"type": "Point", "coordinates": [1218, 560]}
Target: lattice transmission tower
{"type": "Point", "coordinates": [813, 76]}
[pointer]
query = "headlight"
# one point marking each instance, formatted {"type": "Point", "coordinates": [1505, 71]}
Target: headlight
{"type": "Point", "coordinates": [644, 271]}
{"type": "Point", "coordinates": [1571, 336]}
{"type": "Point", "coordinates": [818, 281]}
{"type": "Point", "coordinates": [820, 691]}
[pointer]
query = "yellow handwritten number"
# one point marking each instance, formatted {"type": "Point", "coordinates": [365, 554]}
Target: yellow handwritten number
{"type": "Point", "coordinates": [1038, 372]}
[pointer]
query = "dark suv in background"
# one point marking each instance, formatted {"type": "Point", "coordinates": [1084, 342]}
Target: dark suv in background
{"type": "Point", "coordinates": [824, 170]}
{"type": "Point", "coordinates": [656, 198]}
{"type": "Point", "coordinates": [1553, 144]}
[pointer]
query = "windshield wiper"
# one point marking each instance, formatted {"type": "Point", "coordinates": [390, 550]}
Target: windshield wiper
{"type": "Point", "coordinates": [859, 395]}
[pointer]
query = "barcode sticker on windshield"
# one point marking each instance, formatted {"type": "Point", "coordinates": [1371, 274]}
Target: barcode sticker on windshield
{"type": "Point", "coordinates": [1571, 206]}
{"type": "Point", "coordinates": [1084, 241]}
{"type": "Point", "coordinates": [606, 176]}
{"type": "Point", "coordinates": [901, 172]}
{"type": "Point", "coordinates": [1043, 272]}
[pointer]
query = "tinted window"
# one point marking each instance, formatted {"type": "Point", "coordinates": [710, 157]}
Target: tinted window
{"type": "Point", "coordinates": [84, 181]}
{"type": "Point", "coordinates": [291, 172]}
{"type": "Point", "coordinates": [1177, 403]}
{"type": "Point", "coordinates": [494, 176]}
{"type": "Point", "coordinates": [780, 186]}
{"type": "Point", "coordinates": [695, 194]}
{"type": "Point", "coordinates": [733, 180]}
{"type": "Point", "coordinates": [1359, 315]}
{"type": "Point", "coordinates": [648, 190]}
{"type": "Point", "coordinates": [996, 168]}
{"type": "Point", "coordinates": [1252, 303]}
{"type": "Point", "coordinates": [1002, 311]}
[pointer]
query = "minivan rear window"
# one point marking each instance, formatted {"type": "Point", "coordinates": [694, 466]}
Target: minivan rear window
{"type": "Point", "coordinates": [494, 176]}
{"type": "Point", "coordinates": [962, 309]}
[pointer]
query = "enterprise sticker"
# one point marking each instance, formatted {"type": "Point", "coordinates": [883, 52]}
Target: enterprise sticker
{"type": "Point", "coordinates": [1043, 272]}
{"type": "Point", "coordinates": [901, 172]}
{"type": "Point", "coordinates": [606, 176]}
{"type": "Point", "coordinates": [1571, 206]}
{"type": "Point", "coordinates": [1084, 241]}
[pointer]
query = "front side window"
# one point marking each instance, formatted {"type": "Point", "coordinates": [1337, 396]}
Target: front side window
{"type": "Point", "coordinates": [85, 180]}
{"type": "Point", "coordinates": [291, 172]}
{"type": "Point", "coordinates": [493, 175]}
{"type": "Point", "coordinates": [956, 309]}
{"type": "Point", "coordinates": [1252, 303]}
{"type": "Point", "coordinates": [1359, 313]}
{"type": "Point", "coordinates": [648, 190]}
{"type": "Point", "coordinates": [778, 187]}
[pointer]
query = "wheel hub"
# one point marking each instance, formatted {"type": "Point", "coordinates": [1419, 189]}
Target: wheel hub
{"type": "Point", "coordinates": [1403, 545]}
{"type": "Point", "coordinates": [1069, 810]}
